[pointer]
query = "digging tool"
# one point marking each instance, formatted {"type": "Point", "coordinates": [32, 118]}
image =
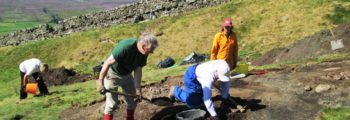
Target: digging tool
{"type": "Point", "coordinates": [336, 44]}
{"type": "Point", "coordinates": [240, 108]}
{"type": "Point", "coordinates": [238, 76]}
{"type": "Point", "coordinates": [129, 95]}
{"type": "Point", "coordinates": [257, 73]}
{"type": "Point", "coordinates": [162, 101]}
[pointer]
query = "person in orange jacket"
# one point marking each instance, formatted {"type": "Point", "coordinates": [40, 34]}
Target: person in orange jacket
{"type": "Point", "coordinates": [225, 45]}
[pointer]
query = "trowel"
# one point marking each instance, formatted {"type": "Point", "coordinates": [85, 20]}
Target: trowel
{"type": "Point", "coordinates": [336, 43]}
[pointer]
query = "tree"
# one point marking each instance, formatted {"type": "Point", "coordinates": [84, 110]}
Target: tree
{"type": "Point", "coordinates": [55, 18]}
{"type": "Point", "coordinates": [45, 10]}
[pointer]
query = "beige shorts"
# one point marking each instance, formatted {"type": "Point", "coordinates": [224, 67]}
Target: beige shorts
{"type": "Point", "coordinates": [111, 82]}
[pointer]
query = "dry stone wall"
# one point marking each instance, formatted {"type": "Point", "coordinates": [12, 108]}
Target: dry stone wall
{"type": "Point", "coordinates": [131, 13]}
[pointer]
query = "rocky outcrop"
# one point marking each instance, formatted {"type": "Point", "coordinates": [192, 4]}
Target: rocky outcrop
{"type": "Point", "coordinates": [131, 13]}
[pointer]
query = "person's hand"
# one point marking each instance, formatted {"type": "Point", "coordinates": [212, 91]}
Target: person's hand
{"type": "Point", "coordinates": [99, 87]}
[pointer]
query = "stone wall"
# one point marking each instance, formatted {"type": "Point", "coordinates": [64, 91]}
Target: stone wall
{"type": "Point", "coordinates": [131, 13]}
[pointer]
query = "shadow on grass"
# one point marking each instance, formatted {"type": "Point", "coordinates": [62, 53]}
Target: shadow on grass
{"type": "Point", "coordinates": [17, 117]}
{"type": "Point", "coordinates": [341, 15]}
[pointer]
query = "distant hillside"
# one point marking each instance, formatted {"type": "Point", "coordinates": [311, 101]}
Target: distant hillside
{"type": "Point", "coordinates": [18, 14]}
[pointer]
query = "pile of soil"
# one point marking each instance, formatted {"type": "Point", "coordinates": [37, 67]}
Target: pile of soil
{"type": "Point", "coordinates": [63, 76]}
{"type": "Point", "coordinates": [311, 46]}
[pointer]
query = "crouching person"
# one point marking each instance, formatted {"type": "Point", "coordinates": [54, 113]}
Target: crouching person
{"type": "Point", "coordinates": [127, 56]}
{"type": "Point", "coordinates": [198, 84]}
{"type": "Point", "coordinates": [32, 67]}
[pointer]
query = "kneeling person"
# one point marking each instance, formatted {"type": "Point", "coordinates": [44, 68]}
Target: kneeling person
{"type": "Point", "coordinates": [198, 84]}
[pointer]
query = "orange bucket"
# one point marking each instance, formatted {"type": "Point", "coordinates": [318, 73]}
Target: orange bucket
{"type": "Point", "coordinates": [32, 88]}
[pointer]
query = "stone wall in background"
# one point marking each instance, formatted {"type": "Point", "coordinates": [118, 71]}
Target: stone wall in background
{"type": "Point", "coordinates": [131, 13]}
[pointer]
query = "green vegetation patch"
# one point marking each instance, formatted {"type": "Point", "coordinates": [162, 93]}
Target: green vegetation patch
{"type": "Point", "coordinates": [49, 107]}
{"type": "Point", "coordinates": [342, 113]}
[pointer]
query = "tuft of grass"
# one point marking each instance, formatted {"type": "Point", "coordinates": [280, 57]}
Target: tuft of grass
{"type": "Point", "coordinates": [342, 113]}
{"type": "Point", "coordinates": [341, 14]}
{"type": "Point", "coordinates": [160, 73]}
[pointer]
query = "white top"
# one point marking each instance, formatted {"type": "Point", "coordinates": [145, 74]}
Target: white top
{"type": "Point", "coordinates": [206, 75]}
{"type": "Point", "coordinates": [30, 66]}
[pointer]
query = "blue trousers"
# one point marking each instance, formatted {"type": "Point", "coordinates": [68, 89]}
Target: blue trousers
{"type": "Point", "coordinates": [191, 99]}
{"type": "Point", "coordinates": [192, 94]}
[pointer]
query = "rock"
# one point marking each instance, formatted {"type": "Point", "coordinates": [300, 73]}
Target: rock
{"type": "Point", "coordinates": [343, 76]}
{"type": "Point", "coordinates": [325, 77]}
{"type": "Point", "coordinates": [300, 84]}
{"type": "Point", "coordinates": [331, 69]}
{"type": "Point", "coordinates": [307, 88]}
{"type": "Point", "coordinates": [337, 77]}
{"type": "Point", "coordinates": [322, 88]}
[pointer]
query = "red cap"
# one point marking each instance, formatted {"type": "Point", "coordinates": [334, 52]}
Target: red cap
{"type": "Point", "coordinates": [227, 22]}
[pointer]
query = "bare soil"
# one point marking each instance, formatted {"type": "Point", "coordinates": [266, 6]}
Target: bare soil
{"type": "Point", "coordinates": [63, 76]}
{"type": "Point", "coordinates": [311, 46]}
{"type": "Point", "coordinates": [287, 94]}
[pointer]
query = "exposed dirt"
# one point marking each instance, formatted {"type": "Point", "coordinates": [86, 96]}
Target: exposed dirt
{"type": "Point", "coordinates": [63, 76]}
{"type": "Point", "coordinates": [296, 93]}
{"type": "Point", "coordinates": [288, 94]}
{"type": "Point", "coordinates": [315, 45]}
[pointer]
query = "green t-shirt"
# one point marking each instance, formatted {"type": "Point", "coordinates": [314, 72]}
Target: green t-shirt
{"type": "Point", "coordinates": [127, 57]}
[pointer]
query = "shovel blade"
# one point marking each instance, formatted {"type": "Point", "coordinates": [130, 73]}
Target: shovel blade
{"type": "Point", "coordinates": [337, 44]}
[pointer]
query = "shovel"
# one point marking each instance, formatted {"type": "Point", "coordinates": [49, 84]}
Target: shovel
{"type": "Point", "coordinates": [163, 101]}
{"type": "Point", "coordinates": [129, 95]}
{"type": "Point", "coordinates": [336, 44]}
{"type": "Point", "coordinates": [239, 107]}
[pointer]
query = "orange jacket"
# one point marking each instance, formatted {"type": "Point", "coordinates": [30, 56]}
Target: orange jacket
{"type": "Point", "coordinates": [225, 48]}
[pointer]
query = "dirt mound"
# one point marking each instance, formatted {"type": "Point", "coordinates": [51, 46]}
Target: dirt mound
{"type": "Point", "coordinates": [315, 45]}
{"type": "Point", "coordinates": [290, 93]}
{"type": "Point", "coordinates": [63, 76]}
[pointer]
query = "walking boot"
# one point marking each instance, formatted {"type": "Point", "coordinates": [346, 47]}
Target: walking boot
{"type": "Point", "coordinates": [130, 114]}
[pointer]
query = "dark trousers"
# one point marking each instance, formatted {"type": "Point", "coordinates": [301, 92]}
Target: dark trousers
{"type": "Point", "coordinates": [42, 87]}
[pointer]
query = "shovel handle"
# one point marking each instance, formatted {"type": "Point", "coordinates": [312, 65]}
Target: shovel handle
{"type": "Point", "coordinates": [332, 32]}
{"type": "Point", "coordinates": [128, 95]}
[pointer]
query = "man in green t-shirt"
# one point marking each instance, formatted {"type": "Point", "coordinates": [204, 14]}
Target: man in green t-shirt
{"type": "Point", "coordinates": [127, 56]}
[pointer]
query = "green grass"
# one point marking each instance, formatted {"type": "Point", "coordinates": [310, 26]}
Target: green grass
{"type": "Point", "coordinates": [12, 21]}
{"type": "Point", "coordinates": [8, 27]}
{"type": "Point", "coordinates": [160, 73]}
{"type": "Point", "coordinates": [260, 25]}
{"type": "Point", "coordinates": [342, 113]}
{"type": "Point", "coordinates": [341, 14]}
{"type": "Point", "coordinates": [49, 107]}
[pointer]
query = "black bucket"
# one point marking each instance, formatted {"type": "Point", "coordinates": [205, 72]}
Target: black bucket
{"type": "Point", "coordinates": [192, 114]}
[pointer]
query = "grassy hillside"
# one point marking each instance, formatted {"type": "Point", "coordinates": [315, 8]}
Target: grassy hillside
{"type": "Point", "coordinates": [260, 25]}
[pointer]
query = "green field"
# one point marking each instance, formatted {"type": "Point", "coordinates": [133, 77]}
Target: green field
{"type": "Point", "coordinates": [11, 21]}
{"type": "Point", "coordinates": [8, 27]}
{"type": "Point", "coordinates": [261, 26]}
